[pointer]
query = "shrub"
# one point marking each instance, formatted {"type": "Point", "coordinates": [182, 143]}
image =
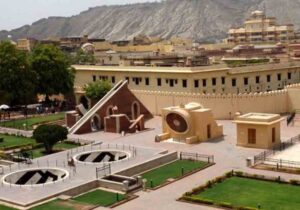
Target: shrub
{"type": "Point", "coordinates": [220, 179]}
{"type": "Point", "coordinates": [208, 184]}
{"type": "Point", "coordinates": [16, 147]}
{"type": "Point", "coordinates": [229, 174]}
{"type": "Point", "coordinates": [239, 173]}
{"type": "Point", "coordinates": [198, 200]}
{"type": "Point", "coordinates": [224, 204]}
{"type": "Point", "coordinates": [198, 189]}
{"type": "Point", "coordinates": [1, 140]}
{"type": "Point", "coordinates": [294, 182]}
{"type": "Point", "coordinates": [73, 143]}
{"type": "Point", "coordinates": [49, 135]}
{"type": "Point", "coordinates": [247, 208]}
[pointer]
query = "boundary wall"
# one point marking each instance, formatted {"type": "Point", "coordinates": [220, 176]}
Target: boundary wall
{"type": "Point", "coordinates": [226, 105]}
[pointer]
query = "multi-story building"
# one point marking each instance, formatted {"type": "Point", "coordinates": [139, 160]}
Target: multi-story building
{"type": "Point", "coordinates": [73, 43]}
{"type": "Point", "coordinates": [165, 60]}
{"type": "Point", "coordinates": [26, 44]}
{"type": "Point", "coordinates": [218, 79]}
{"type": "Point", "coordinates": [259, 28]}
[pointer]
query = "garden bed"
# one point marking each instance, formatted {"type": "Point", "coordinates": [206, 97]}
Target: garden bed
{"type": "Point", "coordinates": [29, 123]}
{"type": "Point", "coordinates": [2, 207]}
{"type": "Point", "coordinates": [11, 142]}
{"type": "Point", "coordinates": [59, 147]}
{"type": "Point", "coordinates": [89, 200]}
{"type": "Point", "coordinates": [238, 190]}
{"type": "Point", "coordinates": [171, 172]}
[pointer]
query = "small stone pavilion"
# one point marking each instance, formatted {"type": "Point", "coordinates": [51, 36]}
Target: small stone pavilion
{"type": "Point", "coordinates": [258, 130]}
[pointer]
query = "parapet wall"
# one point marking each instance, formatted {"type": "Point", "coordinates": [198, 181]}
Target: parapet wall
{"type": "Point", "coordinates": [226, 105]}
{"type": "Point", "coordinates": [294, 97]}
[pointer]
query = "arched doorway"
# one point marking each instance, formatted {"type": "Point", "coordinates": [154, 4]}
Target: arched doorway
{"type": "Point", "coordinates": [96, 123]}
{"type": "Point", "coordinates": [109, 110]}
{"type": "Point", "coordinates": [84, 101]}
{"type": "Point", "coordinates": [135, 110]}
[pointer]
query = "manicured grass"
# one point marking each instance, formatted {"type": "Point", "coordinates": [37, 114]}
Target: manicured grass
{"type": "Point", "coordinates": [53, 205]}
{"type": "Point", "coordinates": [30, 122]}
{"type": "Point", "coordinates": [172, 170]}
{"type": "Point", "coordinates": [14, 141]}
{"type": "Point", "coordinates": [251, 193]}
{"type": "Point", "coordinates": [99, 197]}
{"type": "Point", "coordinates": [39, 152]}
{"type": "Point", "coordinates": [6, 208]}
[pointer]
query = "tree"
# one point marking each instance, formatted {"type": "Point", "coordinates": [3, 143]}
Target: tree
{"type": "Point", "coordinates": [49, 135]}
{"type": "Point", "coordinates": [17, 80]}
{"type": "Point", "coordinates": [54, 72]}
{"type": "Point", "coordinates": [97, 90]}
{"type": "Point", "coordinates": [83, 57]}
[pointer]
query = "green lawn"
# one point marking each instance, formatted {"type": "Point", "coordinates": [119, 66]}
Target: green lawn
{"type": "Point", "coordinates": [13, 141]}
{"type": "Point", "coordinates": [6, 208]}
{"type": "Point", "coordinates": [172, 170]}
{"type": "Point", "coordinates": [30, 122]}
{"type": "Point", "coordinates": [250, 193]}
{"type": "Point", "coordinates": [99, 197]}
{"type": "Point", "coordinates": [39, 152]}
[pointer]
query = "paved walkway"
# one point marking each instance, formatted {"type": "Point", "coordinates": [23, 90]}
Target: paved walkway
{"type": "Point", "coordinates": [227, 157]}
{"type": "Point", "coordinates": [13, 131]}
{"type": "Point", "coordinates": [84, 173]}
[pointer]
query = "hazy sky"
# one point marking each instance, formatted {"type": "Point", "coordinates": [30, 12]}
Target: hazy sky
{"type": "Point", "coordinates": [16, 13]}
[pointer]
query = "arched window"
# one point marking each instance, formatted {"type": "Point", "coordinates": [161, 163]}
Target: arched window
{"type": "Point", "coordinates": [109, 110]}
{"type": "Point", "coordinates": [135, 110]}
{"type": "Point", "coordinates": [96, 123]}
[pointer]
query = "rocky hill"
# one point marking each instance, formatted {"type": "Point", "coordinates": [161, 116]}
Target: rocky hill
{"type": "Point", "coordinates": [202, 20]}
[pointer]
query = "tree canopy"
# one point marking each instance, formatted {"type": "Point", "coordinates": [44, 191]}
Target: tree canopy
{"type": "Point", "coordinates": [17, 83]}
{"type": "Point", "coordinates": [53, 70]}
{"type": "Point", "coordinates": [96, 90]}
{"type": "Point", "coordinates": [49, 135]}
{"type": "Point", "coordinates": [82, 57]}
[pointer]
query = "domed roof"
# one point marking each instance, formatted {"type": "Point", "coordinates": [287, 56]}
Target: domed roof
{"type": "Point", "coordinates": [87, 45]}
{"type": "Point", "coordinates": [193, 105]}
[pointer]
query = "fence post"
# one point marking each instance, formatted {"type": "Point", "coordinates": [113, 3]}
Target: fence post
{"type": "Point", "coordinates": [280, 163]}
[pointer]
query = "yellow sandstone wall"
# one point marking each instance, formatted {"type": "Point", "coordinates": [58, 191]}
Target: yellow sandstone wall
{"type": "Point", "coordinates": [223, 106]}
{"type": "Point", "coordinates": [294, 97]}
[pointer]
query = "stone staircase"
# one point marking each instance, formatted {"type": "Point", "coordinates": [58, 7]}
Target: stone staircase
{"type": "Point", "coordinates": [96, 107]}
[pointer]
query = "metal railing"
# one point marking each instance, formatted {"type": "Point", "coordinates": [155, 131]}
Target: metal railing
{"type": "Point", "coordinates": [261, 157]}
{"type": "Point", "coordinates": [279, 163]}
{"type": "Point", "coordinates": [102, 171]}
{"type": "Point", "coordinates": [196, 157]}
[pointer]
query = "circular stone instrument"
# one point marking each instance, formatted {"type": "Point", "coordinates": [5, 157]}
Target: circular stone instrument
{"type": "Point", "coordinates": [37, 176]}
{"type": "Point", "coordinates": [102, 156]}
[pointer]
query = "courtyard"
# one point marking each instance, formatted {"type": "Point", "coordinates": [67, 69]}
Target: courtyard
{"type": "Point", "coordinates": [227, 157]}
